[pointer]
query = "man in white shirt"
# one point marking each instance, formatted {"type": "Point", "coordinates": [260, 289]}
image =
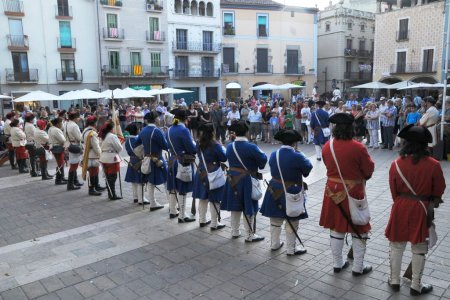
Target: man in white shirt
{"type": "Point", "coordinates": [306, 119]}
{"type": "Point", "coordinates": [233, 115]}
{"type": "Point", "coordinates": [382, 109]}
{"type": "Point", "coordinates": [430, 118]}
{"type": "Point", "coordinates": [336, 93]}
{"type": "Point", "coordinates": [255, 119]}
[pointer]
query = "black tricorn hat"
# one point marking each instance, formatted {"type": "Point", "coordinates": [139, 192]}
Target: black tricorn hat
{"type": "Point", "coordinates": [151, 116]}
{"type": "Point", "coordinates": [179, 113]}
{"type": "Point", "coordinates": [288, 137]}
{"type": "Point", "coordinates": [321, 103]}
{"type": "Point", "coordinates": [239, 127]}
{"type": "Point", "coordinates": [342, 118]}
{"type": "Point", "coordinates": [416, 134]}
{"type": "Point", "coordinates": [207, 127]}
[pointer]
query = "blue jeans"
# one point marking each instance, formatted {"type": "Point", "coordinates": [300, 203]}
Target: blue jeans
{"type": "Point", "coordinates": [388, 134]}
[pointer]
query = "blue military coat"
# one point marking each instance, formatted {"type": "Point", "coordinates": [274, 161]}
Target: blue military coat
{"type": "Point", "coordinates": [158, 143]}
{"type": "Point", "coordinates": [294, 166]}
{"type": "Point", "coordinates": [254, 159]}
{"type": "Point", "coordinates": [180, 143]}
{"type": "Point", "coordinates": [132, 175]}
{"type": "Point", "coordinates": [214, 155]}
{"type": "Point", "coordinates": [323, 117]}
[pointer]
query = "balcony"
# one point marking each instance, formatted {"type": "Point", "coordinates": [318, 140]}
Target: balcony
{"type": "Point", "coordinates": [348, 52]}
{"type": "Point", "coordinates": [358, 76]}
{"type": "Point", "coordinates": [30, 76]}
{"type": "Point", "coordinates": [230, 68]}
{"type": "Point", "coordinates": [111, 3]}
{"type": "Point", "coordinates": [197, 47]}
{"type": "Point", "coordinates": [414, 68]}
{"type": "Point", "coordinates": [136, 71]}
{"type": "Point", "coordinates": [66, 45]}
{"type": "Point", "coordinates": [364, 53]}
{"type": "Point", "coordinates": [295, 70]}
{"type": "Point", "coordinates": [228, 30]}
{"type": "Point", "coordinates": [17, 42]}
{"type": "Point", "coordinates": [63, 12]}
{"type": "Point", "coordinates": [402, 35]}
{"type": "Point", "coordinates": [69, 77]}
{"type": "Point", "coordinates": [113, 34]}
{"type": "Point", "coordinates": [155, 36]}
{"type": "Point", "coordinates": [13, 8]}
{"type": "Point", "coordinates": [154, 6]}
{"type": "Point", "coordinates": [263, 69]}
{"type": "Point", "coordinates": [190, 74]}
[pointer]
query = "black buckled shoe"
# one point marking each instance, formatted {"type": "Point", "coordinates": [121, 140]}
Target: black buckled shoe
{"type": "Point", "coordinates": [218, 227]}
{"type": "Point", "coordinates": [366, 270]}
{"type": "Point", "coordinates": [254, 239]}
{"type": "Point", "coordinates": [186, 220]}
{"type": "Point", "coordinates": [173, 216]}
{"type": "Point", "coordinates": [394, 286]}
{"type": "Point", "coordinates": [345, 266]}
{"type": "Point", "coordinates": [426, 288]}
{"type": "Point", "coordinates": [278, 248]}
{"type": "Point", "coordinates": [205, 224]}
{"type": "Point", "coordinates": [156, 207]}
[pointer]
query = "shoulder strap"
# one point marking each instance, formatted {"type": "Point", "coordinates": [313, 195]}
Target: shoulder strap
{"type": "Point", "coordinates": [237, 155]}
{"type": "Point", "coordinates": [279, 170]}
{"type": "Point", "coordinates": [318, 119]}
{"type": "Point", "coordinates": [131, 146]}
{"type": "Point", "coordinates": [170, 141]}
{"type": "Point", "coordinates": [337, 165]}
{"type": "Point", "coordinates": [404, 179]}
{"type": "Point", "coordinates": [204, 161]}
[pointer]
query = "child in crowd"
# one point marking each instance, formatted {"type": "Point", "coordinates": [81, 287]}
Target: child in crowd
{"type": "Point", "coordinates": [274, 126]}
{"type": "Point", "coordinates": [288, 120]}
{"type": "Point", "coordinates": [413, 115]}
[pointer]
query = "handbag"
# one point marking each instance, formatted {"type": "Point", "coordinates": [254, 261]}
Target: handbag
{"type": "Point", "coordinates": [184, 173]}
{"type": "Point", "coordinates": [295, 203]}
{"type": "Point", "coordinates": [432, 238]}
{"type": "Point", "coordinates": [30, 146]}
{"type": "Point", "coordinates": [40, 151]}
{"type": "Point", "coordinates": [146, 167]}
{"type": "Point", "coordinates": [57, 149]}
{"type": "Point", "coordinates": [326, 131]}
{"type": "Point", "coordinates": [359, 208]}
{"type": "Point", "coordinates": [256, 186]}
{"type": "Point", "coordinates": [48, 155]}
{"type": "Point", "coordinates": [217, 178]}
{"type": "Point", "coordinates": [74, 148]}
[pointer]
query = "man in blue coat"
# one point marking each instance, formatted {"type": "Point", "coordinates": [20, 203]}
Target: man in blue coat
{"type": "Point", "coordinates": [320, 125]}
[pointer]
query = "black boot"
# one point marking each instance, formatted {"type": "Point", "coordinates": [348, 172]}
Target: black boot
{"type": "Point", "coordinates": [44, 171]}
{"type": "Point", "coordinates": [22, 166]}
{"type": "Point", "coordinates": [75, 180]}
{"type": "Point", "coordinates": [58, 178]}
{"type": "Point", "coordinates": [47, 173]}
{"type": "Point", "coordinates": [12, 162]}
{"type": "Point", "coordinates": [33, 172]}
{"type": "Point", "coordinates": [71, 182]}
{"type": "Point", "coordinates": [92, 191]}
{"type": "Point", "coordinates": [97, 186]}
{"type": "Point", "coordinates": [112, 187]}
{"type": "Point", "coordinates": [63, 179]}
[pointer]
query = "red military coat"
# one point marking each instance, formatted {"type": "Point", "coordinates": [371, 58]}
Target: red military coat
{"type": "Point", "coordinates": [407, 222]}
{"type": "Point", "coordinates": [356, 165]}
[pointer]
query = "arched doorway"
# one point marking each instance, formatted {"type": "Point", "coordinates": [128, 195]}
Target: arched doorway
{"type": "Point", "coordinates": [261, 94]}
{"type": "Point", "coordinates": [233, 91]}
{"type": "Point", "coordinates": [425, 79]}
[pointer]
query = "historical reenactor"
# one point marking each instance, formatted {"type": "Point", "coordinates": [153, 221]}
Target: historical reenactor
{"type": "Point", "coordinates": [41, 140]}
{"type": "Point", "coordinates": [134, 175]}
{"type": "Point", "coordinates": [320, 126]}
{"type": "Point", "coordinates": [356, 166]}
{"type": "Point", "coordinates": [91, 156]}
{"type": "Point", "coordinates": [417, 184]}
{"type": "Point", "coordinates": [29, 129]}
{"type": "Point", "coordinates": [110, 159]}
{"type": "Point", "coordinates": [211, 155]}
{"type": "Point", "coordinates": [57, 140]}
{"type": "Point", "coordinates": [182, 156]}
{"type": "Point", "coordinates": [7, 130]}
{"type": "Point", "coordinates": [244, 159]}
{"type": "Point", "coordinates": [18, 139]}
{"type": "Point", "coordinates": [154, 142]}
{"type": "Point", "coordinates": [294, 166]}
{"type": "Point", "coordinates": [73, 137]}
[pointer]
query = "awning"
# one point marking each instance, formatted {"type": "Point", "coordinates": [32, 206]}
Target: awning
{"type": "Point", "coordinates": [233, 85]}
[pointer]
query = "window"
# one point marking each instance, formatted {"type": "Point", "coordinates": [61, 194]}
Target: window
{"type": "Point", "coordinates": [207, 66]}
{"type": "Point", "coordinates": [292, 62]}
{"type": "Point", "coordinates": [20, 65]}
{"type": "Point", "coordinates": [178, 6]}
{"type": "Point", "coordinates": [114, 61]}
{"type": "Point", "coordinates": [182, 39]}
{"type": "Point", "coordinates": [111, 21]}
{"type": "Point", "coordinates": [65, 34]}
{"type": "Point", "coordinates": [207, 41]}
{"type": "Point", "coordinates": [363, 27]}
{"type": "Point", "coordinates": [63, 8]}
{"type": "Point", "coordinates": [209, 9]}
{"type": "Point", "coordinates": [349, 25]}
{"type": "Point", "coordinates": [428, 64]}
{"type": "Point", "coordinates": [401, 62]}
{"type": "Point", "coordinates": [155, 61]}
{"type": "Point", "coordinates": [362, 45]}
{"type": "Point", "coordinates": [349, 43]}
{"type": "Point", "coordinates": [136, 65]}
{"type": "Point", "coordinates": [263, 25]}
{"type": "Point", "coordinates": [327, 27]}
{"type": "Point", "coordinates": [403, 30]}
{"type": "Point", "coordinates": [181, 66]}
{"type": "Point", "coordinates": [201, 8]}
{"type": "Point", "coordinates": [16, 32]}
{"type": "Point", "coordinates": [262, 60]}
{"type": "Point", "coordinates": [228, 60]}
{"type": "Point", "coordinates": [348, 66]}
{"type": "Point", "coordinates": [155, 34]}
{"type": "Point", "coordinates": [211, 94]}
{"type": "Point", "coordinates": [68, 67]}
{"type": "Point", "coordinates": [228, 23]}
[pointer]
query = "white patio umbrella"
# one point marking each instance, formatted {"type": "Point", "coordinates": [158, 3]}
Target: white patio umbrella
{"type": "Point", "coordinates": [36, 96]}
{"type": "Point", "coordinates": [5, 97]}
{"type": "Point", "coordinates": [376, 85]}
{"type": "Point", "coordinates": [421, 85]}
{"type": "Point", "coordinates": [288, 86]}
{"type": "Point", "coordinates": [265, 87]}
{"type": "Point", "coordinates": [168, 91]}
{"type": "Point", "coordinates": [138, 93]}
{"type": "Point", "coordinates": [80, 94]}
{"type": "Point", "coordinates": [400, 85]}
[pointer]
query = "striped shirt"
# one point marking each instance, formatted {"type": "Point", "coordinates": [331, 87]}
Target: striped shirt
{"type": "Point", "coordinates": [374, 122]}
{"type": "Point", "coordinates": [390, 118]}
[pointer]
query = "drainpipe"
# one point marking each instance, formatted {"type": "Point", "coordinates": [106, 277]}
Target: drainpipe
{"type": "Point", "coordinates": [45, 45]}
{"type": "Point", "coordinates": [444, 76]}
{"type": "Point", "coordinates": [100, 82]}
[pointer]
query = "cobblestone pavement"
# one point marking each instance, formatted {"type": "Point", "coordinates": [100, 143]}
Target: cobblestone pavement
{"type": "Point", "coordinates": [65, 245]}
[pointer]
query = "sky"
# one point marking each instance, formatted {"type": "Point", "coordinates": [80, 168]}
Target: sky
{"type": "Point", "coordinates": [306, 3]}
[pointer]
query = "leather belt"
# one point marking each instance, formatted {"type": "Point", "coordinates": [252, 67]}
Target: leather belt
{"type": "Point", "coordinates": [346, 181]}
{"type": "Point", "coordinates": [416, 197]}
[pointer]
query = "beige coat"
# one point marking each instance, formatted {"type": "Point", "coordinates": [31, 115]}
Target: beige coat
{"type": "Point", "coordinates": [29, 131]}
{"type": "Point", "coordinates": [40, 138]}
{"type": "Point", "coordinates": [56, 136]}
{"type": "Point", "coordinates": [7, 130]}
{"type": "Point", "coordinates": [18, 137]}
{"type": "Point", "coordinates": [111, 148]}
{"type": "Point", "coordinates": [73, 132]}
{"type": "Point", "coordinates": [429, 119]}
{"type": "Point", "coordinates": [95, 150]}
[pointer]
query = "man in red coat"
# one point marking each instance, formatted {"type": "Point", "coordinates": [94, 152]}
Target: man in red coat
{"type": "Point", "coordinates": [417, 184]}
{"type": "Point", "coordinates": [356, 166]}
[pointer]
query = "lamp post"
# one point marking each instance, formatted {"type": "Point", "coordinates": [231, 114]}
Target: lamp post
{"type": "Point", "coordinates": [444, 94]}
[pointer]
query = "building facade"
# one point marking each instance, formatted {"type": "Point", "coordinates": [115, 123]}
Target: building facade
{"type": "Point", "coordinates": [48, 45]}
{"type": "Point", "coordinates": [346, 48]}
{"type": "Point", "coordinates": [194, 48]}
{"type": "Point", "coordinates": [409, 42]}
{"type": "Point", "coordinates": [267, 42]}
{"type": "Point", "coordinates": [133, 43]}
